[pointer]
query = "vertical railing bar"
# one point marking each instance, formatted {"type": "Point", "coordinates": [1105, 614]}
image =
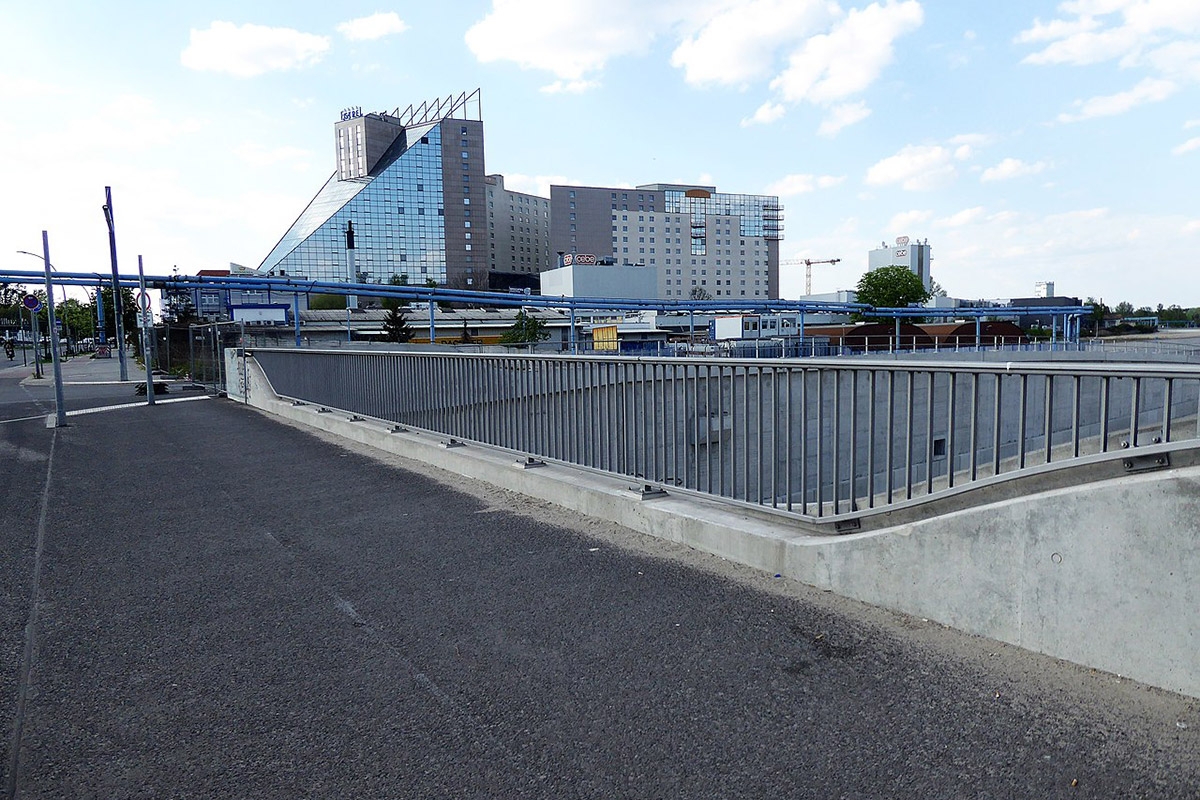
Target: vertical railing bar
{"type": "Point", "coordinates": [929, 384]}
{"type": "Point", "coordinates": [996, 424]}
{"type": "Point", "coordinates": [889, 456]}
{"type": "Point", "coordinates": [974, 431]}
{"type": "Point", "coordinates": [1076, 392]}
{"type": "Point", "coordinates": [1021, 420]}
{"type": "Point", "coordinates": [775, 428]}
{"type": "Point", "coordinates": [1105, 388]}
{"type": "Point", "coordinates": [1049, 417]}
{"type": "Point", "coordinates": [1168, 385]}
{"type": "Point", "coordinates": [695, 368]}
{"type": "Point", "coordinates": [787, 444]}
{"type": "Point", "coordinates": [872, 409]}
{"type": "Point", "coordinates": [1133, 411]}
{"type": "Point", "coordinates": [820, 477]}
{"type": "Point", "coordinates": [758, 488]}
{"type": "Point", "coordinates": [908, 438]}
{"type": "Point", "coordinates": [952, 397]}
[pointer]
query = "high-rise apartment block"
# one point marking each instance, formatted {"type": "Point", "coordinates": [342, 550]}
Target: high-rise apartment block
{"type": "Point", "coordinates": [518, 230]}
{"type": "Point", "coordinates": [695, 238]}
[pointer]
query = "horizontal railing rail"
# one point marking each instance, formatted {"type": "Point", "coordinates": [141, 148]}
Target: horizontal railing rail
{"type": "Point", "coordinates": [815, 438]}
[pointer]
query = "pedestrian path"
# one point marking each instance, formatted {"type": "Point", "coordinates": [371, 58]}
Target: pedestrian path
{"type": "Point", "coordinates": [83, 370]}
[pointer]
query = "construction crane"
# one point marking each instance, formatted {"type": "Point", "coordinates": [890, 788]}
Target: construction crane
{"type": "Point", "coordinates": [807, 262]}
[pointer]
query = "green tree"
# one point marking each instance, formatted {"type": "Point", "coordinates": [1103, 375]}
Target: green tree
{"type": "Point", "coordinates": [396, 327]}
{"type": "Point", "coordinates": [327, 302]}
{"type": "Point", "coordinates": [891, 287]}
{"type": "Point", "coordinates": [395, 302]}
{"type": "Point", "coordinates": [936, 290]}
{"type": "Point", "coordinates": [699, 293]}
{"type": "Point", "coordinates": [1123, 309]}
{"type": "Point", "coordinates": [129, 314]}
{"type": "Point", "coordinates": [525, 330]}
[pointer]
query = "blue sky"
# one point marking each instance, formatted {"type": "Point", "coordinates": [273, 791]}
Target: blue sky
{"type": "Point", "coordinates": [1025, 140]}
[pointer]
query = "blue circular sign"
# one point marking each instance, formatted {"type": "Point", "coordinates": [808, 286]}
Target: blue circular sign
{"type": "Point", "coordinates": [31, 302]}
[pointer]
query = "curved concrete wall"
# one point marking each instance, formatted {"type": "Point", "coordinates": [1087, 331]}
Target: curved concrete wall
{"type": "Point", "coordinates": [1103, 574]}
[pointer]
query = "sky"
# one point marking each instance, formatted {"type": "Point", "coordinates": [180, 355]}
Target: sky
{"type": "Point", "coordinates": [1026, 141]}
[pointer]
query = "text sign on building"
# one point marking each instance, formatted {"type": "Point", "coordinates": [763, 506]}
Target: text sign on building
{"type": "Point", "coordinates": [901, 241]}
{"type": "Point", "coordinates": [578, 259]}
{"type": "Point", "coordinates": [351, 113]}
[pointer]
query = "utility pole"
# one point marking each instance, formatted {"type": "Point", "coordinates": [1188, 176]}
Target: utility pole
{"type": "Point", "coordinates": [60, 408]}
{"type": "Point", "coordinates": [116, 289]}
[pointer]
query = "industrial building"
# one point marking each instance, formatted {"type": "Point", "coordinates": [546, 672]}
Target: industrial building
{"type": "Point", "coordinates": [912, 255]}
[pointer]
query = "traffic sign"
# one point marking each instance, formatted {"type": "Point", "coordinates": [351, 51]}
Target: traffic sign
{"type": "Point", "coordinates": [143, 300]}
{"type": "Point", "coordinates": [32, 302]}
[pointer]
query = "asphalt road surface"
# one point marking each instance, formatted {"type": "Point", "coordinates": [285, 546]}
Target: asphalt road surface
{"type": "Point", "coordinates": [199, 601]}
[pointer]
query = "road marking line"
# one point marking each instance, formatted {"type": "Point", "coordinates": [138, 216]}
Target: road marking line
{"type": "Point", "coordinates": [98, 409]}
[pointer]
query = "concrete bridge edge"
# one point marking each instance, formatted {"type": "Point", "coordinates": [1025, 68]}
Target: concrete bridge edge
{"type": "Point", "coordinates": [1099, 574]}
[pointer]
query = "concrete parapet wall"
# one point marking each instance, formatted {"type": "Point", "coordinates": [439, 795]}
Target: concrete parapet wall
{"type": "Point", "coordinates": [1101, 574]}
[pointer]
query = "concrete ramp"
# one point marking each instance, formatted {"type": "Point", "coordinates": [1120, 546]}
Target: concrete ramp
{"type": "Point", "coordinates": [1091, 564]}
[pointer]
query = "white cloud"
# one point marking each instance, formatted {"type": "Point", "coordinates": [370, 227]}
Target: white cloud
{"type": "Point", "coordinates": [964, 217]}
{"type": "Point", "coordinates": [569, 87]}
{"type": "Point", "coordinates": [723, 42]}
{"type": "Point", "coordinates": [249, 50]}
{"type": "Point", "coordinates": [569, 40]}
{"type": "Point", "coordinates": [1191, 123]}
{"type": "Point", "coordinates": [1149, 90]}
{"type": "Point", "coordinates": [739, 43]}
{"type": "Point", "coordinates": [791, 185]}
{"type": "Point", "coordinates": [902, 222]}
{"type": "Point", "coordinates": [767, 113]}
{"type": "Point", "coordinates": [1011, 168]}
{"type": "Point", "coordinates": [1192, 226]}
{"type": "Point", "coordinates": [1156, 34]}
{"type": "Point", "coordinates": [1187, 147]}
{"type": "Point", "coordinates": [915, 168]}
{"type": "Point", "coordinates": [373, 27]}
{"type": "Point", "coordinates": [833, 66]}
{"type": "Point", "coordinates": [841, 116]}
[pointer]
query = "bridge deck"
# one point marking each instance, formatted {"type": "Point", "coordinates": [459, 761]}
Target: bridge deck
{"type": "Point", "coordinates": [228, 606]}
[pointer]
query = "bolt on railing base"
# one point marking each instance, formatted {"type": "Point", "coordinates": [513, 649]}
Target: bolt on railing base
{"type": "Point", "coordinates": [648, 491]}
{"type": "Point", "coordinates": [529, 463]}
{"type": "Point", "coordinates": [449, 443]}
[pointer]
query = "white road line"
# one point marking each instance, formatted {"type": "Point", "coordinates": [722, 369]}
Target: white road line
{"type": "Point", "coordinates": [134, 405]}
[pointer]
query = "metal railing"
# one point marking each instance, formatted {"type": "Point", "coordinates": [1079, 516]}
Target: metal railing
{"type": "Point", "coordinates": [814, 438]}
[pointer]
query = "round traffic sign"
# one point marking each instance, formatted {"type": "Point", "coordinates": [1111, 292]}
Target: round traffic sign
{"type": "Point", "coordinates": [31, 302]}
{"type": "Point", "coordinates": [143, 301]}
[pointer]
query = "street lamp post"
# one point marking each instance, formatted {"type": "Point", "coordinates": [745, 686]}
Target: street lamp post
{"type": "Point", "coordinates": [116, 289]}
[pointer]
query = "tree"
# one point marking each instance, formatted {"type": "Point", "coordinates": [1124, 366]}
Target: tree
{"type": "Point", "coordinates": [395, 302]}
{"type": "Point", "coordinates": [396, 327]}
{"type": "Point", "coordinates": [525, 330]}
{"type": "Point", "coordinates": [327, 302]}
{"type": "Point", "coordinates": [936, 290]}
{"type": "Point", "coordinates": [699, 293]}
{"type": "Point", "coordinates": [891, 287]}
{"type": "Point", "coordinates": [1123, 309]}
{"type": "Point", "coordinates": [129, 313]}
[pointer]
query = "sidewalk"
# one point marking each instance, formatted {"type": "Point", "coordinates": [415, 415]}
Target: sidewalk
{"type": "Point", "coordinates": [84, 369]}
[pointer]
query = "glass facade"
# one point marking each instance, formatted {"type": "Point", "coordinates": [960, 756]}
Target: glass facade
{"type": "Point", "coordinates": [398, 214]}
{"type": "Point", "coordinates": [760, 215]}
